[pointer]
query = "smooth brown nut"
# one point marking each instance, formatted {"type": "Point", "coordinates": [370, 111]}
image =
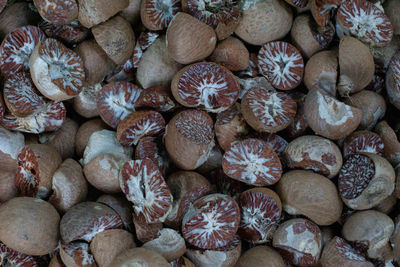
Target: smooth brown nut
{"type": "Point", "coordinates": [69, 186]}
{"type": "Point", "coordinates": [390, 141]}
{"type": "Point", "coordinates": [260, 256]}
{"type": "Point", "coordinates": [29, 225]}
{"type": "Point", "coordinates": [311, 195]}
{"type": "Point", "coordinates": [139, 256]}
{"type": "Point", "coordinates": [85, 103]}
{"type": "Point", "coordinates": [232, 54]}
{"type": "Point", "coordinates": [121, 206]}
{"type": "Point", "coordinates": [84, 132]}
{"type": "Point", "coordinates": [132, 12]}
{"type": "Point", "coordinates": [8, 190]}
{"type": "Point", "coordinates": [311, 152]}
{"type": "Point", "coordinates": [189, 40]}
{"type": "Point", "coordinates": [93, 12]}
{"type": "Point", "coordinates": [107, 245]}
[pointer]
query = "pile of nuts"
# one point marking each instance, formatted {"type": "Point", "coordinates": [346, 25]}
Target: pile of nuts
{"type": "Point", "coordinates": [209, 133]}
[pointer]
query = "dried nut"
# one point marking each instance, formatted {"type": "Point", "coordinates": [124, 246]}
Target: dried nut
{"type": "Point", "coordinates": [169, 243]}
{"type": "Point", "coordinates": [56, 71]}
{"type": "Point", "coordinates": [392, 8]}
{"type": "Point", "coordinates": [72, 33]}
{"type": "Point", "coordinates": [29, 225]}
{"type": "Point", "coordinates": [104, 142]}
{"type": "Point", "coordinates": [339, 253]}
{"type": "Point", "coordinates": [96, 63]}
{"type": "Point", "coordinates": [268, 111]}
{"type": "Point", "coordinates": [395, 239]}
{"type": "Point", "coordinates": [8, 190]}
{"type": "Point", "coordinates": [11, 143]}
{"type": "Point", "coordinates": [309, 37]}
{"type": "Point", "coordinates": [363, 141]}
{"type": "Point", "coordinates": [156, 66]}
{"type": "Point", "coordinates": [116, 38]}
{"type": "Point", "coordinates": [15, 258]}
{"type": "Point", "coordinates": [57, 12]}
{"type": "Point", "coordinates": [69, 186]}
{"type": "Point", "coordinates": [224, 256]}
{"type": "Point", "coordinates": [102, 172]}
{"type": "Point", "coordinates": [157, 97]}
{"type": "Point", "coordinates": [281, 63]}
{"type": "Point", "coordinates": [276, 142]}
{"type": "Point", "coordinates": [298, 126]}
{"type": "Point", "coordinates": [138, 257]}
{"type": "Point", "coordinates": [328, 116]}
{"type": "Point", "coordinates": [322, 10]}
{"type": "Point", "coordinates": [365, 180]}
{"type": "Point", "coordinates": [230, 127]}
{"type": "Point", "coordinates": [56, 261]}
{"type": "Point", "coordinates": [63, 140]}
{"type": "Point", "coordinates": [36, 166]}
{"type": "Point", "coordinates": [157, 15]}
{"type": "Point", "coordinates": [263, 22]}
{"type": "Point", "coordinates": [85, 220]}
{"type": "Point", "coordinates": [138, 125]}
{"type": "Point", "coordinates": [252, 161]}
{"type": "Point", "coordinates": [189, 40]}
{"type": "Point", "coordinates": [387, 205]}
{"type": "Point", "coordinates": [368, 230]}
{"type": "Point", "coordinates": [145, 232]}
{"type": "Point", "coordinates": [392, 81]}
{"type": "Point", "coordinates": [85, 104]}
{"type": "Point", "coordinates": [356, 65]}
{"type": "Point", "coordinates": [151, 148]}
{"type": "Point", "coordinates": [143, 184]}
{"type": "Point", "coordinates": [93, 12]}
{"type": "Point", "coordinates": [21, 96]}
{"type": "Point", "coordinates": [390, 141]}
{"type": "Point", "coordinates": [107, 245]}
{"type": "Point", "coordinates": [211, 222]}
{"type": "Point", "coordinates": [260, 210]}
{"type": "Point", "coordinates": [224, 184]}
{"type": "Point", "coordinates": [23, 39]}
{"type": "Point", "coordinates": [189, 138]}
{"type": "Point", "coordinates": [232, 54]}
{"type": "Point", "coordinates": [373, 107]}
{"type": "Point", "coordinates": [132, 12]}
{"type": "Point", "coordinates": [214, 161]}
{"type": "Point", "coordinates": [121, 206]}
{"type": "Point", "coordinates": [186, 187]}
{"type": "Point", "coordinates": [299, 241]}
{"type": "Point", "coordinates": [260, 256]}
{"type": "Point", "coordinates": [47, 119]}
{"type": "Point", "coordinates": [206, 85]}
{"type": "Point", "coordinates": [311, 195]}
{"type": "Point", "coordinates": [17, 15]}
{"type": "Point", "coordinates": [76, 254]}
{"type": "Point", "coordinates": [252, 70]}
{"type": "Point", "coordinates": [321, 71]}
{"type": "Point", "coordinates": [84, 133]}
{"type": "Point", "coordinates": [352, 19]}
{"type": "Point", "coordinates": [311, 152]}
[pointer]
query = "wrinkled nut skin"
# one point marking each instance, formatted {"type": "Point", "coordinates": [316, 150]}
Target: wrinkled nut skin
{"type": "Point", "coordinates": [139, 257]}
{"type": "Point", "coordinates": [189, 40]}
{"type": "Point", "coordinates": [260, 256]}
{"type": "Point", "coordinates": [96, 63]}
{"type": "Point", "coordinates": [264, 21]}
{"type": "Point", "coordinates": [370, 230]}
{"type": "Point", "coordinates": [390, 141]}
{"type": "Point", "coordinates": [63, 140]}
{"type": "Point", "coordinates": [102, 172]}
{"type": "Point", "coordinates": [93, 12]}
{"type": "Point", "coordinates": [232, 54]}
{"type": "Point", "coordinates": [116, 38]}
{"type": "Point", "coordinates": [186, 146]}
{"type": "Point", "coordinates": [107, 245]}
{"type": "Point", "coordinates": [84, 132]}
{"type": "Point", "coordinates": [311, 195]}
{"type": "Point", "coordinates": [29, 225]}
{"type": "Point", "coordinates": [379, 187]}
{"type": "Point", "coordinates": [69, 186]}
{"type": "Point", "coordinates": [329, 117]}
{"type": "Point", "coordinates": [157, 67]}
{"type": "Point", "coordinates": [86, 219]}
{"type": "Point", "coordinates": [315, 153]}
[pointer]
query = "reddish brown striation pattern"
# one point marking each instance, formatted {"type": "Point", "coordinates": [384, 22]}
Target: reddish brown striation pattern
{"type": "Point", "coordinates": [11, 257]}
{"type": "Point", "coordinates": [70, 33]}
{"type": "Point", "coordinates": [57, 11]}
{"type": "Point", "coordinates": [147, 147]}
{"type": "Point", "coordinates": [195, 125]}
{"type": "Point", "coordinates": [79, 253]}
{"type": "Point", "coordinates": [27, 178]}
{"type": "Point", "coordinates": [324, 35]}
{"type": "Point", "coordinates": [363, 141]}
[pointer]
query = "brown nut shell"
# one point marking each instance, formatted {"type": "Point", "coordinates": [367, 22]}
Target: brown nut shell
{"type": "Point", "coordinates": [311, 195]}
{"type": "Point", "coordinates": [189, 40]}
{"type": "Point", "coordinates": [7, 186]}
{"type": "Point", "coordinates": [84, 133]}
{"type": "Point", "coordinates": [29, 225]}
{"type": "Point", "coordinates": [260, 256]}
{"type": "Point", "coordinates": [11, 143]}
{"type": "Point", "coordinates": [93, 12]}
{"type": "Point", "coordinates": [232, 54]}
{"type": "Point", "coordinates": [390, 141]}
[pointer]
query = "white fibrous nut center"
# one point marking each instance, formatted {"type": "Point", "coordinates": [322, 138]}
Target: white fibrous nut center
{"type": "Point", "coordinates": [101, 224]}
{"type": "Point", "coordinates": [212, 12]}
{"type": "Point", "coordinates": [347, 251]}
{"type": "Point", "coordinates": [162, 11]}
{"type": "Point", "coordinates": [364, 20]}
{"type": "Point", "coordinates": [333, 111]}
{"type": "Point", "coordinates": [208, 85]}
{"type": "Point", "coordinates": [79, 251]}
{"type": "Point", "coordinates": [282, 64]}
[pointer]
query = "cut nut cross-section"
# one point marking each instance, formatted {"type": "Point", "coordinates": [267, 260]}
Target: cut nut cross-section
{"type": "Point", "coordinates": [268, 111]}
{"type": "Point", "coordinates": [252, 161]}
{"type": "Point", "coordinates": [56, 70]}
{"type": "Point", "coordinates": [211, 222]}
{"type": "Point", "coordinates": [143, 185]}
{"type": "Point", "coordinates": [281, 63]}
{"type": "Point", "coordinates": [207, 85]}
{"type": "Point", "coordinates": [77, 254]}
{"type": "Point", "coordinates": [157, 14]}
{"type": "Point", "coordinates": [56, 11]}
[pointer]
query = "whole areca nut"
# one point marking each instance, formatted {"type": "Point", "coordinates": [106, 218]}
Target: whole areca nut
{"type": "Point", "coordinates": [93, 12]}
{"type": "Point", "coordinates": [84, 132]}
